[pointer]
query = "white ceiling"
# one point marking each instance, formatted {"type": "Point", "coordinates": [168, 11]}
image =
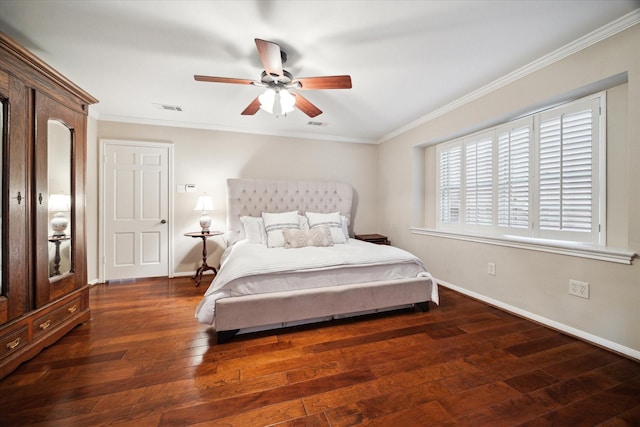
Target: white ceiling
{"type": "Point", "coordinates": [406, 58]}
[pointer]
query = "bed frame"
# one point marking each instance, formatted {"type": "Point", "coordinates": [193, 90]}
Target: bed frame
{"type": "Point", "coordinates": [250, 197]}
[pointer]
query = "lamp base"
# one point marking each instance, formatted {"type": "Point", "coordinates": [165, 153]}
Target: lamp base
{"type": "Point", "coordinates": [59, 224]}
{"type": "Point", "coordinates": [205, 222]}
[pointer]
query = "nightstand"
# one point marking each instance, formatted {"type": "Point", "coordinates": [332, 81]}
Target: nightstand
{"type": "Point", "coordinates": [378, 239]}
{"type": "Point", "coordinates": [204, 267]}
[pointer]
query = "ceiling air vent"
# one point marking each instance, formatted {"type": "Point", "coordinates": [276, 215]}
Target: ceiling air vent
{"type": "Point", "coordinates": [169, 107]}
{"type": "Point", "coordinates": [312, 123]}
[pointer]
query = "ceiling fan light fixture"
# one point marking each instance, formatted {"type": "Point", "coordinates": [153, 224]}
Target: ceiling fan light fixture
{"type": "Point", "coordinates": [277, 101]}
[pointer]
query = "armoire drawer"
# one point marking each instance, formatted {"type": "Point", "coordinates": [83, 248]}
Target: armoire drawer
{"type": "Point", "coordinates": [55, 317]}
{"type": "Point", "coordinates": [14, 341]}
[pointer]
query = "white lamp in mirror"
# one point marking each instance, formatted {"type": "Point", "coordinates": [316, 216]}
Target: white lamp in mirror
{"type": "Point", "coordinates": [204, 205]}
{"type": "Point", "coordinates": [59, 203]}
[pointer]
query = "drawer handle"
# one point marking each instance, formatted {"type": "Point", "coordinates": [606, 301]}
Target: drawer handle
{"type": "Point", "coordinates": [13, 344]}
{"type": "Point", "coordinates": [45, 325]}
{"type": "Point", "coordinates": [72, 309]}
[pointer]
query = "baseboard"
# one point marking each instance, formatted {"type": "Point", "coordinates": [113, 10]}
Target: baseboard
{"type": "Point", "coordinates": [594, 339]}
{"type": "Point", "coordinates": [183, 274]}
{"type": "Point", "coordinates": [191, 274]}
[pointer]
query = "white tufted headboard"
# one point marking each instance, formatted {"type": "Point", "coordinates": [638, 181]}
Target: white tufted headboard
{"type": "Point", "coordinates": [251, 197]}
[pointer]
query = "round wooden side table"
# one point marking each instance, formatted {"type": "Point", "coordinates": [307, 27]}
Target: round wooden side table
{"type": "Point", "coordinates": [204, 267]}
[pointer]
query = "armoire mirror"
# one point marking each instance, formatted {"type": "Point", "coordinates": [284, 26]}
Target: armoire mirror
{"type": "Point", "coordinates": [59, 151]}
{"type": "Point", "coordinates": [2, 202]}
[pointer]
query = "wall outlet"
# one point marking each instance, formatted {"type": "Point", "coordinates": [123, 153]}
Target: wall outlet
{"type": "Point", "coordinates": [491, 268]}
{"type": "Point", "coordinates": [579, 289]}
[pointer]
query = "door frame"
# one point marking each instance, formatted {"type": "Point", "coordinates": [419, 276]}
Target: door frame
{"type": "Point", "coordinates": [101, 199]}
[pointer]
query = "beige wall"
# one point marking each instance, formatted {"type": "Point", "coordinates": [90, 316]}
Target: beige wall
{"type": "Point", "coordinates": [207, 158]}
{"type": "Point", "coordinates": [530, 281]}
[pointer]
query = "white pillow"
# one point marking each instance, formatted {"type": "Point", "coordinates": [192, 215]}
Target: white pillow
{"type": "Point", "coordinates": [345, 226]}
{"type": "Point", "coordinates": [319, 236]}
{"type": "Point", "coordinates": [304, 222]}
{"type": "Point", "coordinates": [274, 223]}
{"type": "Point", "coordinates": [254, 229]}
{"type": "Point", "coordinates": [331, 220]}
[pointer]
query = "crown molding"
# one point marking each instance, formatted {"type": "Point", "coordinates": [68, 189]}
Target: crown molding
{"type": "Point", "coordinates": [205, 126]}
{"type": "Point", "coordinates": [596, 36]}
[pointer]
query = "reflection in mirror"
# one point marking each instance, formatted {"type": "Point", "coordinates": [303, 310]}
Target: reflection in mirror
{"type": "Point", "coordinates": [59, 187]}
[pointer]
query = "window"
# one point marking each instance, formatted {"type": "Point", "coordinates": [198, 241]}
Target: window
{"type": "Point", "coordinates": [479, 181]}
{"type": "Point", "coordinates": [450, 196]}
{"type": "Point", "coordinates": [537, 176]}
{"type": "Point", "coordinates": [514, 189]}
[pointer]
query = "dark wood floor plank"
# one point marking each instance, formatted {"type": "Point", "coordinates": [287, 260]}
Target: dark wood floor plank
{"type": "Point", "coordinates": [281, 414]}
{"type": "Point", "coordinates": [596, 408]}
{"type": "Point", "coordinates": [227, 406]}
{"type": "Point", "coordinates": [315, 420]}
{"type": "Point", "coordinates": [479, 398]}
{"type": "Point", "coordinates": [143, 360]}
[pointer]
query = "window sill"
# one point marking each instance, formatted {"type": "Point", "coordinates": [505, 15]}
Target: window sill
{"type": "Point", "coordinates": [600, 253]}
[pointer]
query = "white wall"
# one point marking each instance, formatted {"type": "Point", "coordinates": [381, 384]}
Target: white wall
{"type": "Point", "coordinates": [530, 281]}
{"type": "Point", "coordinates": [207, 158]}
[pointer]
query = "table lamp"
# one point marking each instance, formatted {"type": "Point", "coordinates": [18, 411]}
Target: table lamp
{"type": "Point", "coordinates": [204, 205]}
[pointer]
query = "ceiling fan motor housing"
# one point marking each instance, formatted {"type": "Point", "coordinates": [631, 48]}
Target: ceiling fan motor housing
{"type": "Point", "coordinates": [268, 78]}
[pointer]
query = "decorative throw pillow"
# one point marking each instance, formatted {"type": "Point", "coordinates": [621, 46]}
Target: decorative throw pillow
{"type": "Point", "coordinates": [319, 236]}
{"type": "Point", "coordinates": [254, 229]}
{"type": "Point", "coordinates": [274, 223]}
{"type": "Point", "coordinates": [331, 220]}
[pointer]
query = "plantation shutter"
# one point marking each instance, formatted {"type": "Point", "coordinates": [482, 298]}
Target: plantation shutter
{"type": "Point", "coordinates": [450, 180]}
{"type": "Point", "coordinates": [566, 172]}
{"type": "Point", "coordinates": [539, 176]}
{"type": "Point", "coordinates": [479, 182]}
{"type": "Point", "coordinates": [513, 177]}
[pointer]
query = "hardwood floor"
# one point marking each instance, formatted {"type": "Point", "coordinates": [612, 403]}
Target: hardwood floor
{"type": "Point", "coordinates": [143, 360]}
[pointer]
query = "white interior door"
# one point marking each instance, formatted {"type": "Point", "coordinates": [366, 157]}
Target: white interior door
{"type": "Point", "coordinates": [135, 209]}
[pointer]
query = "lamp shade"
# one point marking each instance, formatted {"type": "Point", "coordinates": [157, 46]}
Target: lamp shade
{"type": "Point", "coordinates": [204, 204]}
{"type": "Point", "coordinates": [59, 203]}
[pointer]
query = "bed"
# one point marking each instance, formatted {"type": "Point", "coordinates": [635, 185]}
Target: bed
{"type": "Point", "coordinates": [290, 260]}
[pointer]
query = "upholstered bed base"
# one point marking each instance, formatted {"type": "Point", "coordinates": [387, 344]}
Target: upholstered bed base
{"type": "Point", "coordinates": [273, 309]}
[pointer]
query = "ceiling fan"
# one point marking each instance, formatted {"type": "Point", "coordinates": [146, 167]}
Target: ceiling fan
{"type": "Point", "coordinates": [278, 98]}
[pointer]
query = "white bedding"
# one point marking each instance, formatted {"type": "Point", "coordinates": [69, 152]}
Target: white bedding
{"type": "Point", "coordinates": [249, 268]}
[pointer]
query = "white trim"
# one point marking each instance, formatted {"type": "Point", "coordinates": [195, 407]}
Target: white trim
{"type": "Point", "coordinates": [586, 336]}
{"type": "Point", "coordinates": [192, 274]}
{"type": "Point", "coordinates": [601, 253]}
{"type": "Point", "coordinates": [101, 201]}
{"type": "Point", "coordinates": [602, 33]}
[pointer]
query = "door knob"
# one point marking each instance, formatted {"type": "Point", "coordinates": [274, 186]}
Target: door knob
{"type": "Point", "coordinates": [164, 221]}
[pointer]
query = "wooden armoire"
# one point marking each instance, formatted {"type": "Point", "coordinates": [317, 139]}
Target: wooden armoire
{"type": "Point", "coordinates": [43, 271]}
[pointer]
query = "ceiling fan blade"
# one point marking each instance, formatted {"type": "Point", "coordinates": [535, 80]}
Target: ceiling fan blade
{"type": "Point", "coordinates": [306, 107]}
{"type": "Point", "coordinates": [327, 82]}
{"type": "Point", "coordinates": [271, 57]}
{"type": "Point", "coordinates": [223, 80]}
{"type": "Point", "coordinates": [252, 108]}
